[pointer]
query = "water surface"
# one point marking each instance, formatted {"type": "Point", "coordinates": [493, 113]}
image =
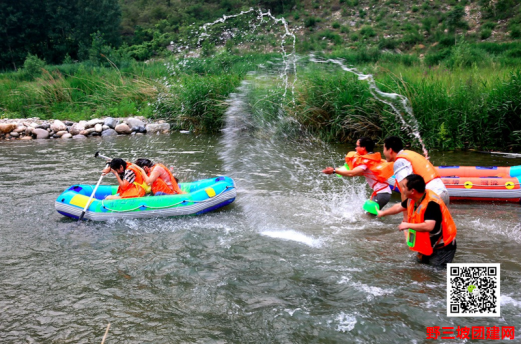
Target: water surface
{"type": "Point", "coordinates": [293, 260]}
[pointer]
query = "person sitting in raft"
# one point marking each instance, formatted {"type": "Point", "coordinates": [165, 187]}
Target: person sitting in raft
{"type": "Point", "coordinates": [365, 163]}
{"type": "Point", "coordinates": [433, 229]}
{"type": "Point", "coordinates": [130, 179]}
{"type": "Point", "coordinates": [159, 177]}
{"type": "Point", "coordinates": [407, 162]}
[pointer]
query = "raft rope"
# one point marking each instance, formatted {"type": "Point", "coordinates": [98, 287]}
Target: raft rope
{"type": "Point", "coordinates": [166, 206]}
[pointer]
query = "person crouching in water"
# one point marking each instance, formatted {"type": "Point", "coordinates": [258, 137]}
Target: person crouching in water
{"type": "Point", "coordinates": [159, 177]}
{"type": "Point", "coordinates": [130, 179]}
{"type": "Point", "coordinates": [365, 163]}
{"type": "Point", "coordinates": [433, 233]}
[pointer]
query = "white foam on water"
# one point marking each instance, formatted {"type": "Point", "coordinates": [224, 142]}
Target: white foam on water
{"type": "Point", "coordinates": [345, 322]}
{"type": "Point", "coordinates": [294, 236]}
{"type": "Point", "coordinates": [507, 300]}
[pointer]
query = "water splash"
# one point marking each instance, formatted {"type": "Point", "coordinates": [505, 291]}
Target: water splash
{"type": "Point", "coordinates": [399, 103]}
{"type": "Point", "coordinates": [288, 59]}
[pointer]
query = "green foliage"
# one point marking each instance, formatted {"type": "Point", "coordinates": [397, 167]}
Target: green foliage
{"type": "Point", "coordinates": [335, 25]}
{"type": "Point", "coordinates": [311, 22]}
{"type": "Point", "coordinates": [33, 65]}
{"type": "Point", "coordinates": [485, 33]}
{"type": "Point", "coordinates": [515, 31]}
{"type": "Point", "coordinates": [454, 18]}
{"type": "Point", "coordinates": [367, 32]}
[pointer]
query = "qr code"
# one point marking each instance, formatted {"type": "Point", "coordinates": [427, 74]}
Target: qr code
{"type": "Point", "coordinates": [473, 290]}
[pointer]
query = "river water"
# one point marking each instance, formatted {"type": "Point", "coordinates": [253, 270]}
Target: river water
{"type": "Point", "coordinates": [292, 260]}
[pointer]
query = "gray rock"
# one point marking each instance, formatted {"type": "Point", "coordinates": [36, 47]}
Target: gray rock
{"type": "Point", "coordinates": [39, 133]}
{"type": "Point", "coordinates": [29, 131]}
{"type": "Point", "coordinates": [123, 129]}
{"type": "Point", "coordinates": [98, 127]}
{"type": "Point", "coordinates": [158, 128]}
{"type": "Point", "coordinates": [134, 122]}
{"type": "Point", "coordinates": [93, 122]}
{"type": "Point", "coordinates": [105, 127]}
{"type": "Point", "coordinates": [141, 130]}
{"type": "Point", "coordinates": [68, 123]}
{"type": "Point", "coordinates": [20, 129]}
{"type": "Point", "coordinates": [109, 132]}
{"type": "Point", "coordinates": [84, 133]}
{"type": "Point", "coordinates": [81, 137]}
{"type": "Point", "coordinates": [111, 122]}
{"type": "Point", "coordinates": [14, 134]}
{"type": "Point", "coordinates": [44, 125]}
{"type": "Point", "coordinates": [61, 133]}
{"type": "Point", "coordinates": [76, 128]}
{"type": "Point", "coordinates": [58, 126]}
{"type": "Point", "coordinates": [66, 136]}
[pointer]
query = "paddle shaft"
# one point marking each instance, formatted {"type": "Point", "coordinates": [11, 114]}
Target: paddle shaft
{"type": "Point", "coordinates": [90, 198]}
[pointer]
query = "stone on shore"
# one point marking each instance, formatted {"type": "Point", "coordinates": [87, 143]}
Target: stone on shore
{"type": "Point", "coordinates": [66, 136]}
{"type": "Point", "coordinates": [79, 136]}
{"type": "Point", "coordinates": [123, 129]}
{"type": "Point", "coordinates": [134, 122]}
{"type": "Point", "coordinates": [111, 122]}
{"type": "Point", "coordinates": [7, 127]}
{"type": "Point", "coordinates": [157, 128]}
{"type": "Point", "coordinates": [109, 132]}
{"type": "Point", "coordinates": [39, 133]}
{"type": "Point", "coordinates": [58, 126]}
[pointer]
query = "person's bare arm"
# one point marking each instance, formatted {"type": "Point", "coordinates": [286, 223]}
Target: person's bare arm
{"type": "Point", "coordinates": [357, 171]}
{"type": "Point", "coordinates": [426, 226]}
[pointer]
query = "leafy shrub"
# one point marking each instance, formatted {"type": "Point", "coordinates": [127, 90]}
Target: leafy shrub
{"type": "Point", "coordinates": [485, 33]}
{"type": "Point", "coordinates": [354, 37]}
{"type": "Point", "coordinates": [515, 32]}
{"type": "Point", "coordinates": [489, 25]}
{"type": "Point", "coordinates": [335, 25]}
{"type": "Point", "coordinates": [367, 31]}
{"type": "Point", "coordinates": [344, 29]}
{"type": "Point", "coordinates": [311, 21]}
{"type": "Point", "coordinates": [33, 65]}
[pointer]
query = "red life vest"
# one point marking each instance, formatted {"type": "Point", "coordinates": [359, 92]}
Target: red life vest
{"type": "Point", "coordinates": [380, 168]}
{"type": "Point", "coordinates": [448, 227]}
{"type": "Point", "coordinates": [167, 187]}
{"type": "Point", "coordinates": [139, 182]}
{"type": "Point", "coordinates": [419, 164]}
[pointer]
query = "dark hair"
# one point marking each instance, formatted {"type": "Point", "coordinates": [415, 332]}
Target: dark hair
{"type": "Point", "coordinates": [367, 143]}
{"type": "Point", "coordinates": [416, 182]}
{"type": "Point", "coordinates": [144, 162]}
{"type": "Point", "coordinates": [115, 164]}
{"type": "Point", "coordinates": [393, 142]}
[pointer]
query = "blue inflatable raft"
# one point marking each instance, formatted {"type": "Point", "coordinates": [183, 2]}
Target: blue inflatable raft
{"type": "Point", "coordinates": [201, 196]}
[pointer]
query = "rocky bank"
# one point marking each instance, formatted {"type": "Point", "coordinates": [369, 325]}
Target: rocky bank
{"type": "Point", "coordinates": [34, 128]}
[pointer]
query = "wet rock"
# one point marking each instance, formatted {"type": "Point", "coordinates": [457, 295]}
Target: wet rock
{"type": "Point", "coordinates": [79, 136]}
{"type": "Point", "coordinates": [7, 127]}
{"type": "Point", "coordinates": [83, 132]}
{"type": "Point", "coordinates": [123, 129]}
{"type": "Point", "coordinates": [60, 133]}
{"type": "Point", "coordinates": [93, 123]}
{"type": "Point", "coordinates": [140, 130]}
{"type": "Point", "coordinates": [158, 128]}
{"type": "Point", "coordinates": [76, 128]}
{"type": "Point", "coordinates": [111, 122]}
{"type": "Point", "coordinates": [68, 123]}
{"type": "Point", "coordinates": [58, 126]}
{"type": "Point", "coordinates": [39, 133]}
{"type": "Point", "coordinates": [134, 122]}
{"type": "Point", "coordinates": [105, 127]}
{"type": "Point", "coordinates": [14, 134]}
{"type": "Point", "coordinates": [20, 129]}
{"type": "Point", "coordinates": [44, 125]}
{"type": "Point", "coordinates": [98, 127]}
{"type": "Point", "coordinates": [26, 138]}
{"type": "Point", "coordinates": [109, 132]}
{"type": "Point", "coordinates": [66, 136]}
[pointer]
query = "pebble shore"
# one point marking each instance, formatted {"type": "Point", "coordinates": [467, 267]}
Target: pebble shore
{"type": "Point", "coordinates": [35, 128]}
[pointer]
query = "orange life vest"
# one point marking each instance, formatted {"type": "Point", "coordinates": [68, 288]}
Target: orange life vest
{"type": "Point", "coordinates": [139, 181]}
{"type": "Point", "coordinates": [161, 185]}
{"type": "Point", "coordinates": [380, 168]}
{"type": "Point", "coordinates": [448, 227]}
{"type": "Point", "coordinates": [419, 164]}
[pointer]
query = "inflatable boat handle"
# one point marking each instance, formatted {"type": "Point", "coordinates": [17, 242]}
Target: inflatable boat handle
{"type": "Point", "coordinates": [98, 155]}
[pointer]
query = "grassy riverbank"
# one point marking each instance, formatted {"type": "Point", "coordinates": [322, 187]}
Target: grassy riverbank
{"type": "Point", "coordinates": [456, 106]}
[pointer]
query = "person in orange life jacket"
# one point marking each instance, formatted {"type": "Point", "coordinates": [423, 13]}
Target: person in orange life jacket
{"type": "Point", "coordinates": [407, 162]}
{"type": "Point", "coordinates": [130, 179]}
{"type": "Point", "coordinates": [368, 164]}
{"type": "Point", "coordinates": [159, 177]}
{"type": "Point", "coordinates": [435, 229]}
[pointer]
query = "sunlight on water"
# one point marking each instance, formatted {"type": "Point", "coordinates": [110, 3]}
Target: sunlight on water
{"type": "Point", "coordinates": [292, 235]}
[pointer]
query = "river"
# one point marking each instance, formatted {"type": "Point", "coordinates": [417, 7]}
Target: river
{"type": "Point", "coordinates": [292, 260]}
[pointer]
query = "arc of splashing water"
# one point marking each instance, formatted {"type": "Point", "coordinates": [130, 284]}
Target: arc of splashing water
{"type": "Point", "coordinates": [287, 59]}
{"type": "Point", "coordinates": [384, 98]}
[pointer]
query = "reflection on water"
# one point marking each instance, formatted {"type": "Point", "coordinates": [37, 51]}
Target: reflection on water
{"type": "Point", "coordinates": [293, 260]}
